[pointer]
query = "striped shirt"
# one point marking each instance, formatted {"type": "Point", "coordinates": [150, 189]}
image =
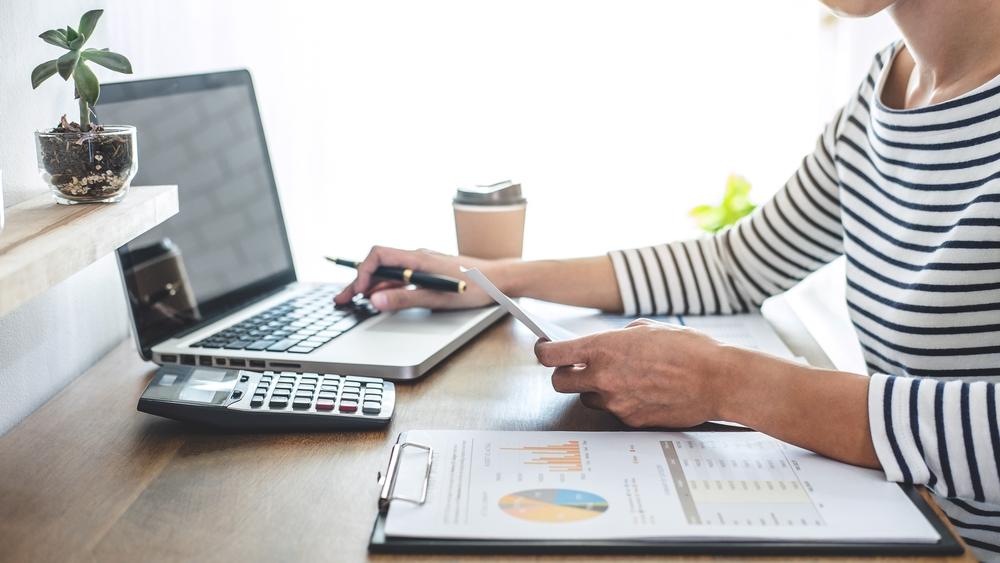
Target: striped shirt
{"type": "Point", "coordinates": [911, 198]}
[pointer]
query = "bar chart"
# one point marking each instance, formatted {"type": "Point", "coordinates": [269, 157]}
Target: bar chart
{"type": "Point", "coordinates": [564, 457]}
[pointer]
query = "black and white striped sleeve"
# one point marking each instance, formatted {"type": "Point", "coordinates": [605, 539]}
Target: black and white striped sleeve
{"type": "Point", "coordinates": [780, 243]}
{"type": "Point", "coordinates": [943, 434]}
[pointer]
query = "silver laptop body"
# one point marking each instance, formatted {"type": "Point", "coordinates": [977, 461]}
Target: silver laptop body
{"type": "Point", "coordinates": [215, 284]}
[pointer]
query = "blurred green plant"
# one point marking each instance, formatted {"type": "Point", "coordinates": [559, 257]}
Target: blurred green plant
{"type": "Point", "coordinates": [735, 205]}
{"type": "Point", "coordinates": [74, 63]}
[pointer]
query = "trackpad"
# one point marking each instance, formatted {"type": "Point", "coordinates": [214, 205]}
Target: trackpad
{"type": "Point", "coordinates": [424, 321]}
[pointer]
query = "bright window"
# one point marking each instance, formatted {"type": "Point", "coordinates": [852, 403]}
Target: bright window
{"type": "Point", "coordinates": [617, 117]}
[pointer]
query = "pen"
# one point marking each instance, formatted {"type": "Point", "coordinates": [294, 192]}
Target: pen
{"type": "Point", "coordinates": [406, 275]}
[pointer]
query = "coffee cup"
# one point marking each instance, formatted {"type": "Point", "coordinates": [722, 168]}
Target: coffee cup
{"type": "Point", "coordinates": [489, 220]}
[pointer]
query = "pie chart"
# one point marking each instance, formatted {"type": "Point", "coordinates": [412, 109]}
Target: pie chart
{"type": "Point", "coordinates": [553, 505]}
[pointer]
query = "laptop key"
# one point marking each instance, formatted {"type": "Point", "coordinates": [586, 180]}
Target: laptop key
{"type": "Point", "coordinates": [282, 345]}
{"type": "Point", "coordinates": [344, 324]}
{"type": "Point", "coordinates": [260, 345]}
{"type": "Point", "coordinates": [237, 345]}
{"type": "Point", "coordinates": [301, 349]}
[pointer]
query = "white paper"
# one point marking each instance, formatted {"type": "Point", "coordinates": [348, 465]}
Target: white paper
{"type": "Point", "coordinates": [542, 328]}
{"type": "Point", "coordinates": [750, 331]}
{"type": "Point", "coordinates": [820, 302]}
{"type": "Point", "coordinates": [644, 485]}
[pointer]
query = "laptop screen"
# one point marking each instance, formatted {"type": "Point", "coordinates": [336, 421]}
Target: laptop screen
{"type": "Point", "coordinates": [227, 245]}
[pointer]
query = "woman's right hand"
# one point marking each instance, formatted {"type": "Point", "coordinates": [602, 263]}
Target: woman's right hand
{"type": "Point", "coordinates": [388, 295]}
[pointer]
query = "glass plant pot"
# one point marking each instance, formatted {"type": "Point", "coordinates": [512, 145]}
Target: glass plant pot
{"type": "Point", "coordinates": [92, 167]}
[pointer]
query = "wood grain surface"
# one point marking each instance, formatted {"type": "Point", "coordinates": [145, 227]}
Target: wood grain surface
{"type": "Point", "coordinates": [44, 242]}
{"type": "Point", "coordinates": [88, 478]}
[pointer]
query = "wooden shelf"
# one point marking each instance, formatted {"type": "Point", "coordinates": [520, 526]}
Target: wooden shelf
{"type": "Point", "coordinates": [44, 243]}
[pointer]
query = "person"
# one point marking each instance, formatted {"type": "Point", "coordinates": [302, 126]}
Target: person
{"type": "Point", "coordinates": [905, 183]}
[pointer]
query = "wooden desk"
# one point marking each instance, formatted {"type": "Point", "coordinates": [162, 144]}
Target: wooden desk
{"type": "Point", "coordinates": [87, 477]}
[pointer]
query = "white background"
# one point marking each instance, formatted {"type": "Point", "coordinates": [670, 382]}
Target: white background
{"type": "Point", "coordinates": [616, 116]}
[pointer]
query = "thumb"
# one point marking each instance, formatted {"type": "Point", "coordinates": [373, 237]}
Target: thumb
{"type": "Point", "coordinates": [403, 298]}
{"type": "Point", "coordinates": [564, 352]}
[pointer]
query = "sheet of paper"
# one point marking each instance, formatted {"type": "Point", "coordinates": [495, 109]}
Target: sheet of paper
{"type": "Point", "coordinates": [541, 327]}
{"type": "Point", "coordinates": [827, 319]}
{"type": "Point", "coordinates": [643, 485]}
{"type": "Point", "coordinates": [749, 331]}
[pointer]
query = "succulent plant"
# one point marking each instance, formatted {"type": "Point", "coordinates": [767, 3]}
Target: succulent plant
{"type": "Point", "coordinates": [74, 63]}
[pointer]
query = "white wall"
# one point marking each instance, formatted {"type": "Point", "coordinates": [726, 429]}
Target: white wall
{"type": "Point", "coordinates": [621, 114]}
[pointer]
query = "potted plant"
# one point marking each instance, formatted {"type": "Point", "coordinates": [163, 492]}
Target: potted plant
{"type": "Point", "coordinates": [84, 162]}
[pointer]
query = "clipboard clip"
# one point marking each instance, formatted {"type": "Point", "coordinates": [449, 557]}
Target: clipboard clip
{"type": "Point", "coordinates": [387, 494]}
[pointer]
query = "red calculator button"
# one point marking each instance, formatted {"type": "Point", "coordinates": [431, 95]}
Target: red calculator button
{"type": "Point", "coordinates": [348, 406]}
{"type": "Point", "coordinates": [324, 405]}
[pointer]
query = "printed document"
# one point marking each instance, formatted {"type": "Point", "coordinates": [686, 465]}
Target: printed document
{"type": "Point", "coordinates": [643, 485]}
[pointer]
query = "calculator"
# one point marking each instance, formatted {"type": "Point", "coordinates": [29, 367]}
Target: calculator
{"type": "Point", "coordinates": [270, 400]}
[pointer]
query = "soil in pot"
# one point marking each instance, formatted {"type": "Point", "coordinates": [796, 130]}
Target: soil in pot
{"type": "Point", "coordinates": [86, 166]}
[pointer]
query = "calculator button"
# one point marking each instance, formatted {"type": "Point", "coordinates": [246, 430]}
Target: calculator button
{"type": "Point", "coordinates": [373, 385]}
{"type": "Point", "coordinates": [312, 380]}
{"type": "Point", "coordinates": [372, 407]}
{"type": "Point", "coordinates": [282, 393]}
{"type": "Point", "coordinates": [324, 405]}
{"type": "Point", "coordinates": [237, 394]}
{"type": "Point", "coordinates": [348, 406]}
{"type": "Point", "coordinates": [327, 395]}
{"type": "Point", "coordinates": [307, 386]}
{"type": "Point", "coordinates": [244, 378]}
{"type": "Point", "coordinates": [375, 392]}
{"type": "Point", "coordinates": [278, 402]}
{"type": "Point", "coordinates": [349, 397]}
{"type": "Point", "coordinates": [283, 386]}
{"type": "Point", "coordinates": [262, 390]}
{"type": "Point", "coordinates": [301, 404]}
{"type": "Point", "coordinates": [257, 401]}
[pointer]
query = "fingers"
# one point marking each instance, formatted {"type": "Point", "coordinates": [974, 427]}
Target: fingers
{"type": "Point", "coordinates": [566, 352]}
{"type": "Point", "coordinates": [346, 294]}
{"type": "Point", "coordinates": [384, 285]}
{"type": "Point", "coordinates": [571, 379]}
{"type": "Point", "coordinates": [404, 298]}
{"type": "Point", "coordinates": [378, 256]}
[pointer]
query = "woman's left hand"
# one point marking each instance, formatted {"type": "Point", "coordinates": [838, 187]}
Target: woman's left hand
{"type": "Point", "coordinates": [647, 374]}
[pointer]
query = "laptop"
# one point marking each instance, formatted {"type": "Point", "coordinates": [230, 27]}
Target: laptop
{"type": "Point", "coordinates": [215, 284]}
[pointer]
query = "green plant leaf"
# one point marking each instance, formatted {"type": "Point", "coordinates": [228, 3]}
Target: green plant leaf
{"type": "Point", "coordinates": [55, 37]}
{"type": "Point", "coordinates": [67, 64]}
{"type": "Point", "coordinates": [108, 59]}
{"type": "Point", "coordinates": [734, 206]}
{"type": "Point", "coordinates": [89, 21]}
{"type": "Point", "coordinates": [77, 43]}
{"type": "Point", "coordinates": [87, 85]}
{"type": "Point", "coordinates": [71, 33]}
{"type": "Point", "coordinates": [42, 72]}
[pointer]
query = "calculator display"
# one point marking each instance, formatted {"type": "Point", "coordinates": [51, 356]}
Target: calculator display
{"type": "Point", "coordinates": [205, 386]}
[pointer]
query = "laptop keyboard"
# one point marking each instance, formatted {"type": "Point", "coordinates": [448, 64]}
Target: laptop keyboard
{"type": "Point", "coordinates": [299, 325]}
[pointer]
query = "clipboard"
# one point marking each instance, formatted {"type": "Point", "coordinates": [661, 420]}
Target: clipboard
{"type": "Point", "coordinates": [380, 543]}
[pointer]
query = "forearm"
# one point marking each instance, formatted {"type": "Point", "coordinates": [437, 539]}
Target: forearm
{"type": "Point", "coordinates": [583, 282]}
{"type": "Point", "coordinates": [821, 410]}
